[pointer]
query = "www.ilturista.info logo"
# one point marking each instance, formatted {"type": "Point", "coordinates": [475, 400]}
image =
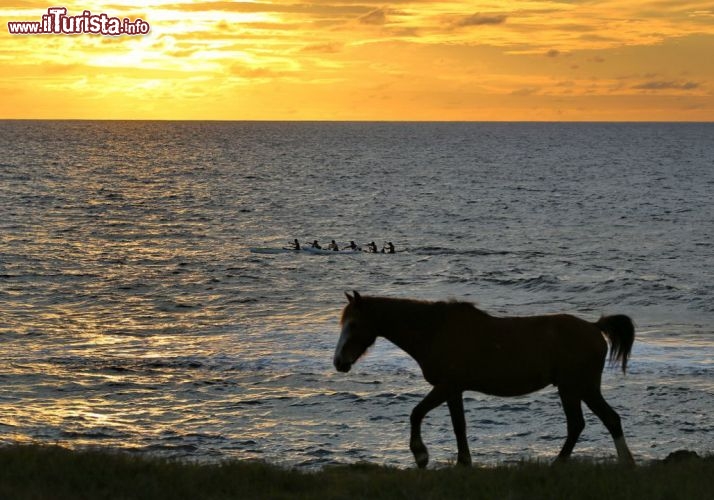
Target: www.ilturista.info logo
{"type": "Point", "coordinates": [56, 21]}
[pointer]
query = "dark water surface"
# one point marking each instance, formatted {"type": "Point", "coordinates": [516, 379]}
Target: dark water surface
{"type": "Point", "coordinates": [145, 303]}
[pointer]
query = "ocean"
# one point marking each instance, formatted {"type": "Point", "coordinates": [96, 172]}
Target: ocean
{"type": "Point", "coordinates": [147, 304]}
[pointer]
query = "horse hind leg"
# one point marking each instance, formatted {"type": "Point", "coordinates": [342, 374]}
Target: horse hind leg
{"type": "Point", "coordinates": [576, 423]}
{"type": "Point", "coordinates": [611, 419]}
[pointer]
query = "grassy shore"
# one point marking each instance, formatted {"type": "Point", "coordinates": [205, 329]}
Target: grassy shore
{"type": "Point", "coordinates": [33, 472]}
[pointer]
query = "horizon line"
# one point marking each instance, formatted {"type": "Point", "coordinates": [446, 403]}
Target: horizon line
{"type": "Point", "coordinates": [279, 120]}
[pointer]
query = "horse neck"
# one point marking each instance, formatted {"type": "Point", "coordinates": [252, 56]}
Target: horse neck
{"type": "Point", "coordinates": [404, 323]}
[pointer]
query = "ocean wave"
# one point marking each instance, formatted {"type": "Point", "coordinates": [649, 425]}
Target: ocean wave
{"type": "Point", "coordinates": [134, 295]}
{"type": "Point", "coordinates": [474, 252]}
{"type": "Point", "coordinates": [531, 283]}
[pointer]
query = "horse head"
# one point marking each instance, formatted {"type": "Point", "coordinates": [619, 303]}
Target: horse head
{"type": "Point", "coordinates": [357, 334]}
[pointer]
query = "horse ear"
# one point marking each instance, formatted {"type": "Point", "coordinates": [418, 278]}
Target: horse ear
{"type": "Point", "coordinates": [357, 296]}
{"type": "Point", "coordinates": [350, 298]}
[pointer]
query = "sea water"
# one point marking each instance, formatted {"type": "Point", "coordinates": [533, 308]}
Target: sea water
{"type": "Point", "coordinates": [140, 310]}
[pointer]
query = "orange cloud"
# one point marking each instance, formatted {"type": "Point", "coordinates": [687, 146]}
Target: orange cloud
{"type": "Point", "coordinates": [479, 19]}
{"type": "Point", "coordinates": [367, 59]}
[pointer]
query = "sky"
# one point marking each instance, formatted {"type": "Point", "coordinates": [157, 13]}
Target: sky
{"type": "Point", "coordinates": [566, 60]}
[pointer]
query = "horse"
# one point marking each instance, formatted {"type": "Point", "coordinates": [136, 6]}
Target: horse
{"type": "Point", "coordinates": [459, 347]}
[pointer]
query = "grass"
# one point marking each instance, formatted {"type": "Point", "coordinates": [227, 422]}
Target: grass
{"type": "Point", "coordinates": [35, 472]}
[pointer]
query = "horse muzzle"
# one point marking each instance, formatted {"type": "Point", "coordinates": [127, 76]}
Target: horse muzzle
{"type": "Point", "coordinates": [342, 366]}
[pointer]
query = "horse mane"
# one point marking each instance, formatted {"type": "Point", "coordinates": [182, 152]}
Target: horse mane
{"type": "Point", "coordinates": [466, 307]}
{"type": "Point", "coordinates": [423, 312]}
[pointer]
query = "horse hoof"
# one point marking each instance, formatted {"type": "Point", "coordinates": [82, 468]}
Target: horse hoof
{"type": "Point", "coordinates": [422, 459]}
{"type": "Point", "coordinates": [464, 461]}
{"type": "Point", "coordinates": [421, 455]}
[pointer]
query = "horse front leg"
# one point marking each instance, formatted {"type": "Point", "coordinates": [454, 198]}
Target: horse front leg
{"type": "Point", "coordinates": [436, 396]}
{"type": "Point", "coordinates": [456, 409]}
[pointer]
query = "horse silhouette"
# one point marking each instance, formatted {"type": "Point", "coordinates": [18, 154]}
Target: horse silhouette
{"type": "Point", "coordinates": [459, 347]}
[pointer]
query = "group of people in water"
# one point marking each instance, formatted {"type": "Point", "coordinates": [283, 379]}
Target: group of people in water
{"type": "Point", "coordinates": [370, 247]}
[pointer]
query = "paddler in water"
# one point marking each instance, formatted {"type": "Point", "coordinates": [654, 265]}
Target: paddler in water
{"type": "Point", "coordinates": [296, 244]}
{"type": "Point", "coordinates": [315, 244]}
{"type": "Point", "coordinates": [333, 246]}
{"type": "Point", "coordinates": [388, 248]}
{"type": "Point", "coordinates": [372, 247]}
{"type": "Point", "coordinates": [352, 246]}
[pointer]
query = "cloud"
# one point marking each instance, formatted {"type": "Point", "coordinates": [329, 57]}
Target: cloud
{"type": "Point", "coordinates": [525, 92]}
{"type": "Point", "coordinates": [666, 85]}
{"type": "Point", "coordinates": [479, 19]}
{"type": "Point", "coordinates": [187, 52]}
{"type": "Point", "coordinates": [30, 4]}
{"type": "Point", "coordinates": [59, 69]}
{"type": "Point", "coordinates": [405, 32]}
{"type": "Point", "coordinates": [253, 72]}
{"type": "Point", "coordinates": [322, 48]}
{"type": "Point", "coordinates": [376, 17]}
{"type": "Point", "coordinates": [265, 7]}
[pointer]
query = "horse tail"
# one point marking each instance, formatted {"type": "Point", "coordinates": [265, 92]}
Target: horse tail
{"type": "Point", "coordinates": [620, 332]}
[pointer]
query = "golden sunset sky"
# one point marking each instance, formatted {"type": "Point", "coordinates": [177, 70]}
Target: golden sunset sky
{"type": "Point", "coordinates": [368, 60]}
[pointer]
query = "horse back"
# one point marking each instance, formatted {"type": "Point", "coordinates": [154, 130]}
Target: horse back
{"type": "Point", "coordinates": [514, 356]}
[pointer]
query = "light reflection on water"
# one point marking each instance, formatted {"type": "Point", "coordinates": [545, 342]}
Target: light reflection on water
{"type": "Point", "coordinates": [215, 404]}
{"type": "Point", "coordinates": [133, 313]}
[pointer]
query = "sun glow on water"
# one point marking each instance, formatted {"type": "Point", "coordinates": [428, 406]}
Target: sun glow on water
{"type": "Point", "coordinates": [136, 315]}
